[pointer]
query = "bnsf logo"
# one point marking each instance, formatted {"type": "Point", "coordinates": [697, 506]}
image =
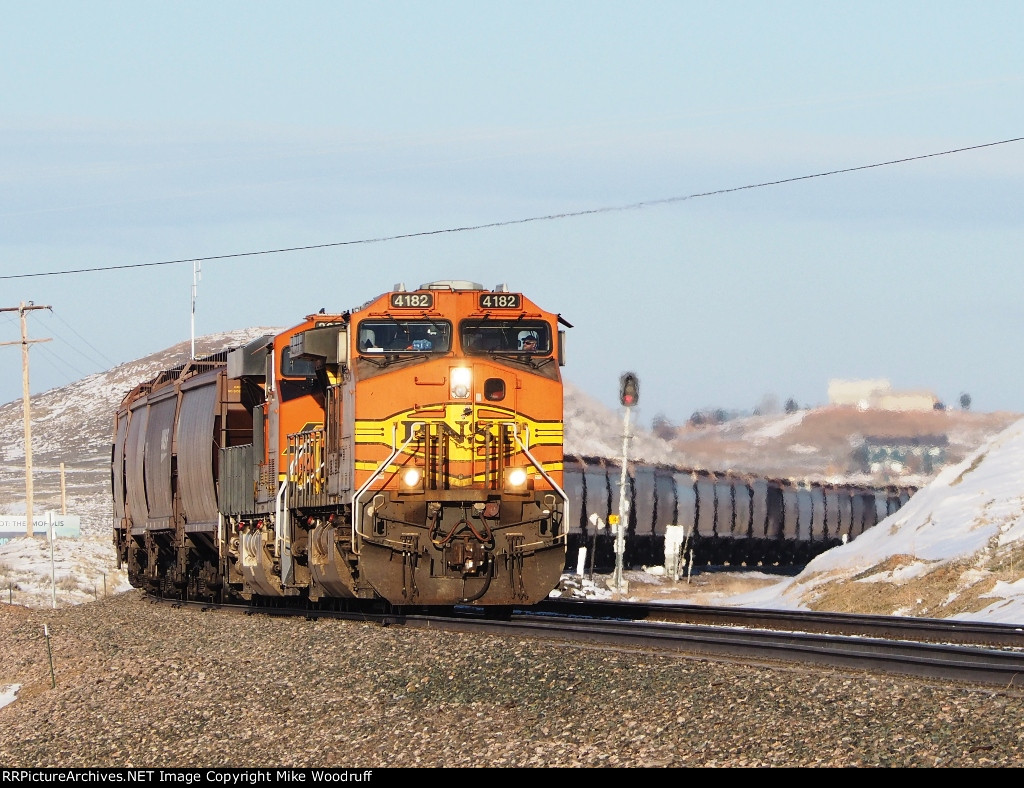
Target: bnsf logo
{"type": "Point", "coordinates": [461, 432]}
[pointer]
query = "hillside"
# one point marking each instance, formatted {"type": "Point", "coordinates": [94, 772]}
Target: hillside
{"type": "Point", "coordinates": [829, 442]}
{"type": "Point", "coordinates": [73, 424]}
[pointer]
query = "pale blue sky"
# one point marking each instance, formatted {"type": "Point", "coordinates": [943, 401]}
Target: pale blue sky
{"type": "Point", "coordinates": [137, 133]}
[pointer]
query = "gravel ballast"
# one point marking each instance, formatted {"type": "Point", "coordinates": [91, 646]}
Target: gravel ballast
{"type": "Point", "coordinates": [142, 685]}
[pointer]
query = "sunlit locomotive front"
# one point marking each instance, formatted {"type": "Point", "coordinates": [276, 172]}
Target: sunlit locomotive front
{"type": "Point", "coordinates": [409, 450]}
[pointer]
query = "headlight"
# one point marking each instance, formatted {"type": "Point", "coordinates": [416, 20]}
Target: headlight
{"type": "Point", "coordinates": [515, 480]}
{"type": "Point", "coordinates": [411, 478]}
{"type": "Point", "coordinates": [462, 377]}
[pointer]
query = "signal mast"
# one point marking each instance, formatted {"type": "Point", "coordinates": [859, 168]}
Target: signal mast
{"type": "Point", "coordinates": [629, 393]}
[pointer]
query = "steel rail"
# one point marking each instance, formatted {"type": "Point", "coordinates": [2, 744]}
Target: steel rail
{"type": "Point", "coordinates": [940, 630]}
{"type": "Point", "coordinates": [941, 661]}
{"type": "Point", "coordinates": [971, 664]}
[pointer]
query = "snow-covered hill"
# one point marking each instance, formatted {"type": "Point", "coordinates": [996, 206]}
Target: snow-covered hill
{"type": "Point", "coordinates": [73, 425]}
{"type": "Point", "coordinates": [953, 550]}
{"type": "Point", "coordinates": [956, 549]}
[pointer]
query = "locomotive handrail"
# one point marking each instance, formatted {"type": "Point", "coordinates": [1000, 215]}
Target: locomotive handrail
{"type": "Point", "coordinates": [357, 511]}
{"type": "Point", "coordinates": [544, 473]}
{"type": "Point", "coordinates": [280, 514]}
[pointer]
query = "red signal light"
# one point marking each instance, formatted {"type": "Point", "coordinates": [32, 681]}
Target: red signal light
{"type": "Point", "coordinates": [629, 389]}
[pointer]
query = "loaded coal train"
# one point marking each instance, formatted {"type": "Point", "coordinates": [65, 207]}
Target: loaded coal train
{"type": "Point", "coordinates": [408, 451]}
{"type": "Point", "coordinates": [714, 518]}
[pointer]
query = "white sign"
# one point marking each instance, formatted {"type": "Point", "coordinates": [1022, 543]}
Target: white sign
{"type": "Point", "coordinates": [67, 525]}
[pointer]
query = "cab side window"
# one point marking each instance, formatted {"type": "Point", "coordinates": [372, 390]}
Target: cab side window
{"type": "Point", "coordinates": [298, 376]}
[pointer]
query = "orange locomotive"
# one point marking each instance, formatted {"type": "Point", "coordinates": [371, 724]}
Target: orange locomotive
{"type": "Point", "coordinates": [409, 450]}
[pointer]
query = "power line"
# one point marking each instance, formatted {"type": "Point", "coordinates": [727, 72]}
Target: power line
{"type": "Point", "coordinates": [512, 222]}
{"type": "Point", "coordinates": [86, 341]}
{"type": "Point", "coordinates": [59, 365]}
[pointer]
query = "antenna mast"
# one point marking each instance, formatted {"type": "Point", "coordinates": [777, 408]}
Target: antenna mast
{"type": "Point", "coordinates": [197, 274]}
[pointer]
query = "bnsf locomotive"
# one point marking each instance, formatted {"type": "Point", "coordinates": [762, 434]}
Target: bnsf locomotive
{"type": "Point", "coordinates": [407, 451]}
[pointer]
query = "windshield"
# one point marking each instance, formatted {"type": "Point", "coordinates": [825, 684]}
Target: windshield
{"type": "Point", "coordinates": [528, 337]}
{"type": "Point", "coordinates": [404, 336]}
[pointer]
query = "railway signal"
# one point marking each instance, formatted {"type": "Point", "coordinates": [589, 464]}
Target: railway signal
{"type": "Point", "coordinates": [629, 389]}
{"type": "Point", "coordinates": [629, 393]}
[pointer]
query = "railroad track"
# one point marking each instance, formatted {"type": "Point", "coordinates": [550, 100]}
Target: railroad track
{"type": "Point", "coordinates": [935, 630]}
{"type": "Point", "coordinates": [971, 652]}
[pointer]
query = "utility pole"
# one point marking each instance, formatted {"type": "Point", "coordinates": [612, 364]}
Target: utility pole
{"type": "Point", "coordinates": [63, 492]}
{"type": "Point", "coordinates": [22, 309]}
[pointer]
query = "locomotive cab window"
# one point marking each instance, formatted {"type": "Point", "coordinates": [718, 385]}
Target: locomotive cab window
{"type": "Point", "coordinates": [296, 367]}
{"type": "Point", "coordinates": [404, 336]}
{"type": "Point", "coordinates": [298, 376]}
{"type": "Point", "coordinates": [518, 337]}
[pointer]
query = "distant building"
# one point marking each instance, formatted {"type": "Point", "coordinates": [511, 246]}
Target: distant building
{"type": "Point", "coordinates": [878, 394]}
{"type": "Point", "coordinates": [880, 454]}
{"type": "Point", "coordinates": [856, 392]}
{"type": "Point", "coordinates": [905, 400]}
